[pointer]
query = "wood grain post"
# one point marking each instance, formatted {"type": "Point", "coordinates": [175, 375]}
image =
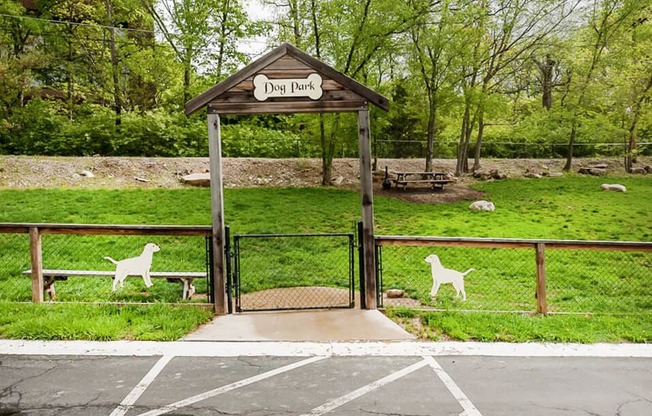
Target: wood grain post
{"type": "Point", "coordinates": [366, 189]}
{"type": "Point", "coordinates": [542, 303]}
{"type": "Point", "coordinates": [217, 213]}
{"type": "Point", "coordinates": [37, 264]}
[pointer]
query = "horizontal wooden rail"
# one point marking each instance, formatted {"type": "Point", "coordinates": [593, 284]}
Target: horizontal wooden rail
{"type": "Point", "coordinates": [107, 229]}
{"type": "Point", "coordinates": [423, 241]}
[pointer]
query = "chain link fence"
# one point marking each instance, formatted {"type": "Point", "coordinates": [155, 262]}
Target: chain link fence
{"type": "Point", "coordinates": [614, 282]}
{"type": "Point", "coordinates": [505, 278]}
{"type": "Point", "coordinates": [506, 150]}
{"type": "Point", "coordinates": [296, 271]}
{"type": "Point", "coordinates": [84, 254]}
{"type": "Point", "coordinates": [14, 259]}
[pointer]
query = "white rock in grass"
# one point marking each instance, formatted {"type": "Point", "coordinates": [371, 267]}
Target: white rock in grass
{"type": "Point", "coordinates": [197, 179]}
{"type": "Point", "coordinates": [482, 206]}
{"type": "Point", "coordinates": [613, 187]}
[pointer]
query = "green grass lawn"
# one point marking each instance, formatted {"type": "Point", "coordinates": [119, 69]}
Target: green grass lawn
{"type": "Point", "coordinates": [555, 208]}
{"type": "Point", "coordinates": [511, 327]}
{"type": "Point", "coordinates": [572, 207]}
{"type": "Point", "coordinates": [59, 321]}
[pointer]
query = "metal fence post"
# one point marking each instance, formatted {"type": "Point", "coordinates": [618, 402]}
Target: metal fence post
{"type": "Point", "coordinates": [236, 271]}
{"type": "Point", "coordinates": [352, 270]}
{"type": "Point", "coordinates": [542, 304]}
{"type": "Point", "coordinates": [228, 255]}
{"type": "Point", "coordinates": [361, 267]}
{"type": "Point", "coordinates": [379, 275]}
{"type": "Point", "coordinates": [209, 268]}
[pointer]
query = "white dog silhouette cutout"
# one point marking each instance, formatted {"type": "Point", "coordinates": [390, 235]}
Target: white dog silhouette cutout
{"type": "Point", "coordinates": [134, 266]}
{"type": "Point", "coordinates": [440, 275]}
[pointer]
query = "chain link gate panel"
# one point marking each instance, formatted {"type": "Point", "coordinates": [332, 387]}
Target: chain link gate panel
{"type": "Point", "coordinates": [293, 271]}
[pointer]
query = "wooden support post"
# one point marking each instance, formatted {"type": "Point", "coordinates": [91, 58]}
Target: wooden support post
{"type": "Point", "coordinates": [37, 264]}
{"type": "Point", "coordinates": [217, 213]}
{"type": "Point", "coordinates": [542, 303]}
{"type": "Point", "coordinates": [366, 189]}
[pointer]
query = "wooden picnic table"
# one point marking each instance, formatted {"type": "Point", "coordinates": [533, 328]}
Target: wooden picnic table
{"type": "Point", "coordinates": [436, 179]}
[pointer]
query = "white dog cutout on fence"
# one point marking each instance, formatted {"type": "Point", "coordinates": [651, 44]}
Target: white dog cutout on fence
{"type": "Point", "coordinates": [134, 266]}
{"type": "Point", "coordinates": [440, 275]}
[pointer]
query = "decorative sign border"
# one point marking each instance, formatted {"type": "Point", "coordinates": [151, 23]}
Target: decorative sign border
{"type": "Point", "coordinates": [310, 87]}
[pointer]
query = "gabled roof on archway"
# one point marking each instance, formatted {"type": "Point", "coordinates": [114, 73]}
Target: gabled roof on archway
{"type": "Point", "coordinates": [286, 66]}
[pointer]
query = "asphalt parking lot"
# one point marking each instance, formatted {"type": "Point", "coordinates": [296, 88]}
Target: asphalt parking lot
{"type": "Point", "coordinates": [318, 379]}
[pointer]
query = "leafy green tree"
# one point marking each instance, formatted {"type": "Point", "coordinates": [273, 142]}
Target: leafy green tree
{"type": "Point", "coordinates": [204, 35]}
{"type": "Point", "coordinates": [402, 123]}
{"type": "Point", "coordinates": [606, 20]}
{"type": "Point", "coordinates": [20, 56]}
{"type": "Point", "coordinates": [434, 37]}
{"type": "Point", "coordinates": [548, 76]}
{"type": "Point", "coordinates": [349, 36]}
{"type": "Point", "coordinates": [68, 42]}
{"type": "Point", "coordinates": [630, 78]}
{"type": "Point", "coordinates": [514, 29]}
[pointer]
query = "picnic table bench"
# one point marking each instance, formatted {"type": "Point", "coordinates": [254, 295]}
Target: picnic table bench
{"type": "Point", "coordinates": [184, 278]}
{"type": "Point", "coordinates": [436, 179]}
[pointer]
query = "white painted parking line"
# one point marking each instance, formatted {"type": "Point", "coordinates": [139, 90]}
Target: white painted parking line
{"type": "Point", "coordinates": [469, 408]}
{"type": "Point", "coordinates": [342, 400]}
{"type": "Point", "coordinates": [221, 390]}
{"type": "Point", "coordinates": [140, 388]}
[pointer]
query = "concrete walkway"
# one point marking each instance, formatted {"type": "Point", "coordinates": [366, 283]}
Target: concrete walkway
{"type": "Point", "coordinates": [316, 326]}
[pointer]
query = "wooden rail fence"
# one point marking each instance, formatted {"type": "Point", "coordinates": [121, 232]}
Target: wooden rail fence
{"type": "Point", "coordinates": [35, 232]}
{"type": "Point", "coordinates": [539, 247]}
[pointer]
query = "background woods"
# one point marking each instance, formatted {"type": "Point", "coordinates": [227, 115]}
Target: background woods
{"type": "Point", "coordinates": [467, 79]}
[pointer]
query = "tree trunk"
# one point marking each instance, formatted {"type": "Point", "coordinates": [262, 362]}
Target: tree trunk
{"type": "Point", "coordinates": [463, 146]}
{"type": "Point", "coordinates": [327, 172]}
{"type": "Point", "coordinates": [69, 76]}
{"type": "Point", "coordinates": [296, 29]}
{"type": "Point", "coordinates": [467, 128]}
{"type": "Point", "coordinates": [432, 132]}
{"type": "Point", "coordinates": [328, 149]}
{"type": "Point", "coordinates": [478, 144]}
{"type": "Point", "coordinates": [630, 159]}
{"type": "Point", "coordinates": [468, 131]}
{"type": "Point", "coordinates": [117, 101]}
{"type": "Point", "coordinates": [325, 167]}
{"type": "Point", "coordinates": [571, 145]}
{"type": "Point", "coordinates": [186, 83]}
{"type": "Point", "coordinates": [547, 74]}
{"type": "Point", "coordinates": [633, 128]}
{"type": "Point", "coordinates": [222, 42]}
{"type": "Point", "coordinates": [220, 57]}
{"type": "Point", "coordinates": [633, 139]}
{"type": "Point", "coordinates": [547, 96]}
{"type": "Point", "coordinates": [467, 142]}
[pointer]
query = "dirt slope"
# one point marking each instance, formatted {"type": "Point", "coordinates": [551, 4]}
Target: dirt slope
{"type": "Point", "coordinates": [27, 172]}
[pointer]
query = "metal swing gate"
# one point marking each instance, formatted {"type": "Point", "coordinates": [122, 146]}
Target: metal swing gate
{"type": "Point", "coordinates": [292, 271]}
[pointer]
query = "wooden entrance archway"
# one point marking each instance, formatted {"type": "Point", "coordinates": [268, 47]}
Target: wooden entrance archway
{"type": "Point", "coordinates": [288, 80]}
